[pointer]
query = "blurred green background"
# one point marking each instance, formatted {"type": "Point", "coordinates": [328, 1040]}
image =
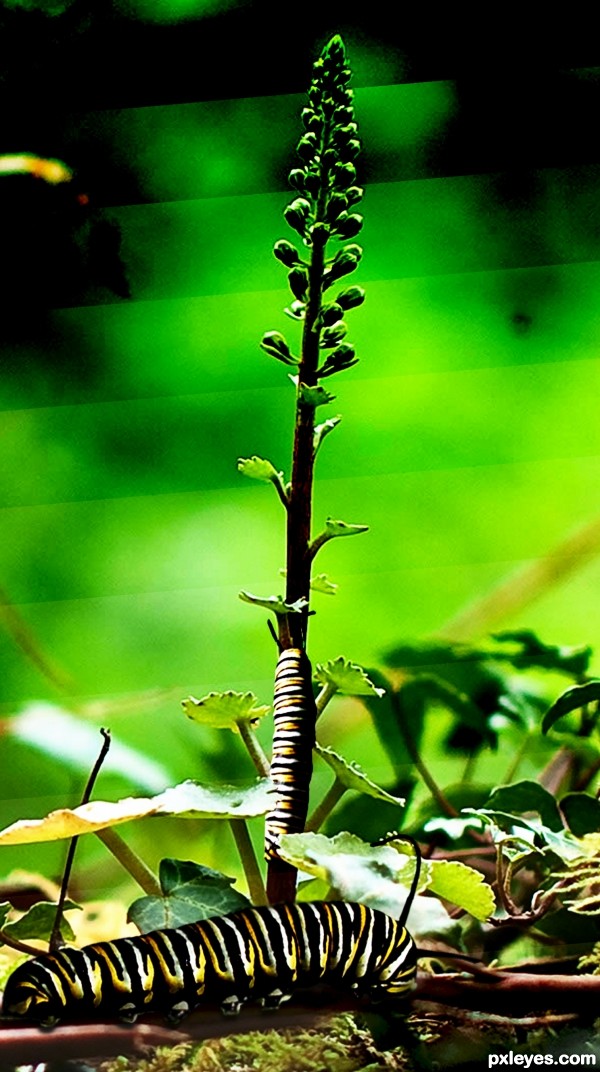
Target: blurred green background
{"type": "Point", "coordinates": [470, 440]}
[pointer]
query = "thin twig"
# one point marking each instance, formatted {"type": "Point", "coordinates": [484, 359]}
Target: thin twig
{"type": "Point", "coordinates": [56, 938]}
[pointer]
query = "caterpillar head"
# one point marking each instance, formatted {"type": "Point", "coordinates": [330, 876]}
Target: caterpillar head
{"type": "Point", "coordinates": [30, 996]}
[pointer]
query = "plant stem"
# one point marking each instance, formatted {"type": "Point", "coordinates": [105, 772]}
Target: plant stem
{"type": "Point", "coordinates": [130, 861]}
{"type": "Point", "coordinates": [22, 947]}
{"type": "Point", "coordinates": [328, 803]}
{"type": "Point", "coordinates": [326, 694]}
{"type": "Point", "coordinates": [256, 888]}
{"type": "Point", "coordinates": [411, 748]}
{"type": "Point", "coordinates": [255, 751]}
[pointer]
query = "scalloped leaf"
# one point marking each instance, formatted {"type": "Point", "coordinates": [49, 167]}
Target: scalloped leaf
{"type": "Point", "coordinates": [351, 775]}
{"type": "Point", "coordinates": [259, 469]}
{"type": "Point", "coordinates": [377, 876]}
{"type": "Point", "coordinates": [190, 892]}
{"type": "Point", "coordinates": [38, 922]}
{"type": "Point", "coordinates": [463, 886]}
{"type": "Point", "coordinates": [527, 833]}
{"type": "Point", "coordinates": [342, 528]}
{"type": "Point", "coordinates": [348, 678]}
{"type": "Point", "coordinates": [188, 800]}
{"type": "Point", "coordinates": [571, 700]}
{"type": "Point", "coordinates": [225, 710]}
{"type": "Point", "coordinates": [276, 604]}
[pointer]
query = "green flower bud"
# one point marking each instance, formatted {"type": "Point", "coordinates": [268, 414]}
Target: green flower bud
{"type": "Point", "coordinates": [350, 297]}
{"type": "Point", "coordinates": [354, 194]}
{"type": "Point", "coordinates": [312, 183]}
{"type": "Point", "coordinates": [296, 310]}
{"type": "Point", "coordinates": [348, 226]}
{"type": "Point", "coordinates": [307, 147]}
{"type": "Point", "coordinates": [342, 358]}
{"type": "Point", "coordinates": [331, 313]}
{"type": "Point", "coordinates": [333, 335]}
{"type": "Point", "coordinates": [298, 283]}
{"type": "Point", "coordinates": [297, 179]}
{"type": "Point", "coordinates": [336, 204]}
{"type": "Point", "coordinates": [296, 214]}
{"type": "Point", "coordinates": [344, 175]}
{"type": "Point", "coordinates": [286, 253]}
{"type": "Point", "coordinates": [274, 344]}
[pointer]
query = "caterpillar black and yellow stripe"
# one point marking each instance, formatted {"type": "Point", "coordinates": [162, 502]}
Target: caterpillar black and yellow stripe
{"type": "Point", "coordinates": [259, 954]}
{"type": "Point", "coordinates": [293, 741]}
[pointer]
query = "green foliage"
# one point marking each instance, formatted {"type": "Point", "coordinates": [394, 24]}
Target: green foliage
{"type": "Point", "coordinates": [189, 892]}
{"type": "Point", "coordinates": [37, 922]}
{"type": "Point", "coordinates": [346, 677]}
{"type": "Point", "coordinates": [225, 710]}
{"type": "Point", "coordinates": [352, 777]}
{"type": "Point", "coordinates": [574, 698]}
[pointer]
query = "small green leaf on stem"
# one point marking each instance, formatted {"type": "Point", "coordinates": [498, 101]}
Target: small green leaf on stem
{"type": "Point", "coordinates": [349, 678]}
{"type": "Point", "coordinates": [259, 469]}
{"type": "Point", "coordinates": [225, 710]}
{"type": "Point", "coordinates": [322, 430]}
{"type": "Point", "coordinates": [313, 396]}
{"type": "Point", "coordinates": [323, 585]}
{"type": "Point", "coordinates": [276, 604]}
{"type": "Point", "coordinates": [335, 528]}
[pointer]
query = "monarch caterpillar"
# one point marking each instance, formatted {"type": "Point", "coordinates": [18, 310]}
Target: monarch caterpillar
{"type": "Point", "coordinates": [260, 953]}
{"type": "Point", "coordinates": [293, 741]}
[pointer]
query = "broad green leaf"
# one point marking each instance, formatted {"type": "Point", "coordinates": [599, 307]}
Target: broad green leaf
{"type": "Point", "coordinates": [581, 812]}
{"type": "Point", "coordinates": [571, 700]}
{"type": "Point", "coordinates": [463, 886]}
{"type": "Point", "coordinates": [350, 775]}
{"type": "Point", "coordinates": [191, 800]}
{"type": "Point", "coordinates": [188, 800]}
{"type": "Point", "coordinates": [190, 892]}
{"type": "Point", "coordinates": [5, 908]}
{"type": "Point", "coordinates": [341, 528]}
{"type": "Point", "coordinates": [348, 678]}
{"type": "Point", "coordinates": [276, 604]}
{"type": "Point", "coordinates": [225, 710]}
{"type": "Point", "coordinates": [259, 469]}
{"type": "Point", "coordinates": [376, 876]}
{"type": "Point", "coordinates": [525, 797]}
{"type": "Point", "coordinates": [38, 922]}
